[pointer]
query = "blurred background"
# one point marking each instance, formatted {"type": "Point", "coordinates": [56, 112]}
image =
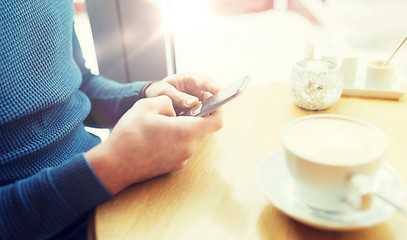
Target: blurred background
{"type": "Point", "coordinates": [229, 38]}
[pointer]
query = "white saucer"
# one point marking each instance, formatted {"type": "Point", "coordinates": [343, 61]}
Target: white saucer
{"type": "Point", "coordinates": [276, 183]}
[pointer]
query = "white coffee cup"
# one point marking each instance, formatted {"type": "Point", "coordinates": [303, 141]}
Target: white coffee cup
{"type": "Point", "coordinates": [331, 157]}
{"type": "Point", "coordinates": [379, 75]}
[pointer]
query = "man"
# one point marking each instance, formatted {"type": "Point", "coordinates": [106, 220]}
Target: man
{"type": "Point", "coordinates": [53, 172]}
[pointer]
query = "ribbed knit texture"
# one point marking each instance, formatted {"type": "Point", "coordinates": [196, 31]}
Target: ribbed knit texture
{"type": "Point", "coordinates": [46, 95]}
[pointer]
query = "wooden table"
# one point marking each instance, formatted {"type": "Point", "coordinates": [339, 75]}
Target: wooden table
{"type": "Point", "coordinates": [217, 195]}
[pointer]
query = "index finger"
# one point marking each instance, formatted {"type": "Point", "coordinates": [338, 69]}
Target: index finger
{"type": "Point", "coordinates": [204, 83]}
{"type": "Point", "coordinates": [196, 83]}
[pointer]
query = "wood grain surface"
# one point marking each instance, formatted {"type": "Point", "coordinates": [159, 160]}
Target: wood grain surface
{"type": "Point", "coordinates": [217, 196]}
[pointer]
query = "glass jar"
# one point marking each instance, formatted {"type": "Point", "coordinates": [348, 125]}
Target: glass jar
{"type": "Point", "coordinates": [316, 84]}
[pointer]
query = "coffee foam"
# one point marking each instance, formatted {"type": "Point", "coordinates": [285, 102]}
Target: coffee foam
{"type": "Point", "coordinates": [335, 141]}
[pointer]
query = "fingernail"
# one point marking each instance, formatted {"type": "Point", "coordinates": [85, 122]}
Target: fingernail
{"type": "Point", "coordinates": [196, 111]}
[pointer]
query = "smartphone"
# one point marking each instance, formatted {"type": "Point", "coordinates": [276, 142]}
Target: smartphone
{"type": "Point", "coordinates": [223, 96]}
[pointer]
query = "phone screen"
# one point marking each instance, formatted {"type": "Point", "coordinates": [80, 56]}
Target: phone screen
{"type": "Point", "coordinates": [223, 96]}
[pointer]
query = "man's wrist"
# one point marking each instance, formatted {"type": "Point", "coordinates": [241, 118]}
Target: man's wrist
{"type": "Point", "coordinates": [103, 166]}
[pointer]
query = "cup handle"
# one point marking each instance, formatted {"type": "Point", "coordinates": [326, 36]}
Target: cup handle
{"type": "Point", "coordinates": [359, 193]}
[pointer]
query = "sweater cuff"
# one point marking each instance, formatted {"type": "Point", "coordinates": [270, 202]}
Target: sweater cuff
{"type": "Point", "coordinates": [78, 185]}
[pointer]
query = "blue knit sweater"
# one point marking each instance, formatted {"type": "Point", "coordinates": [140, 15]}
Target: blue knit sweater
{"type": "Point", "coordinates": [47, 95]}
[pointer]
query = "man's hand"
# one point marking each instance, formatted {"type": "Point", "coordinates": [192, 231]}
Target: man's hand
{"type": "Point", "coordinates": [185, 90]}
{"type": "Point", "coordinates": [149, 141]}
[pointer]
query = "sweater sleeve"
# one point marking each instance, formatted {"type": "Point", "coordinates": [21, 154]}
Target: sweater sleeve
{"type": "Point", "coordinates": [40, 206]}
{"type": "Point", "coordinates": [109, 99]}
